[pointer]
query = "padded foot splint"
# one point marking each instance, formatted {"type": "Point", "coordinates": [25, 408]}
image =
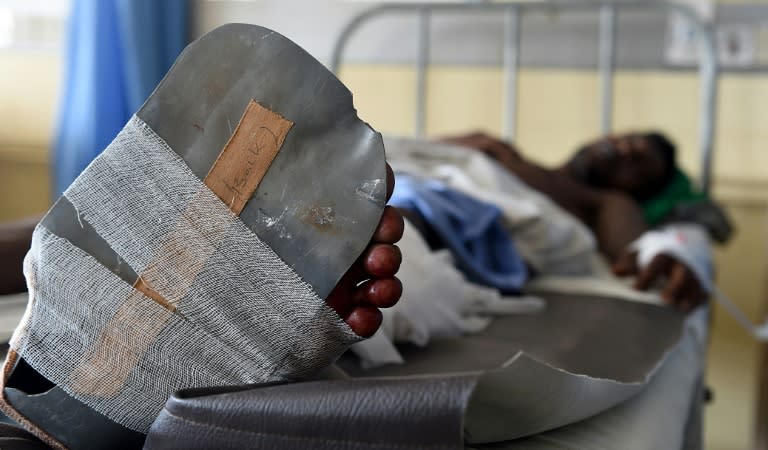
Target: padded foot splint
{"type": "Point", "coordinates": [199, 247]}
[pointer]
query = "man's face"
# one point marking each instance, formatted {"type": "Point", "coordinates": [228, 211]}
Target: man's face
{"type": "Point", "coordinates": [630, 163]}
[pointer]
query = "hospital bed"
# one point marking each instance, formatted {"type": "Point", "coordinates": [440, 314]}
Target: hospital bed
{"type": "Point", "coordinates": [622, 423]}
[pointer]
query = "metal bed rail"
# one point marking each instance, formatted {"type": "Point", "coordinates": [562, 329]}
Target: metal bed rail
{"type": "Point", "coordinates": [512, 13]}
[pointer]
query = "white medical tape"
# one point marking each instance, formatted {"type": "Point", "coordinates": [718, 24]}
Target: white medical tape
{"type": "Point", "coordinates": [688, 243]}
{"type": "Point", "coordinates": [240, 314]}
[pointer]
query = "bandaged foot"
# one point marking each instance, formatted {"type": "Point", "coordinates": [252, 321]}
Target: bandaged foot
{"type": "Point", "coordinates": [233, 233]}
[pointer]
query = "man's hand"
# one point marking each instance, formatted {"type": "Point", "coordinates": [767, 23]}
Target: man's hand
{"type": "Point", "coordinates": [679, 285]}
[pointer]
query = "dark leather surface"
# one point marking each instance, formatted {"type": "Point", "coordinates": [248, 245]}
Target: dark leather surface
{"type": "Point", "coordinates": [13, 437]}
{"type": "Point", "coordinates": [71, 422]}
{"type": "Point", "coordinates": [340, 414]}
{"type": "Point", "coordinates": [62, 416]}
{"type": "Point", "coordinates": [420, 404]}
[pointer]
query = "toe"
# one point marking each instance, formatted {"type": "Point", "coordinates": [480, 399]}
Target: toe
{"type": "Point", "coordinates": [364, 320]}
{"type": "Point", "coordinates": [370, 283]}
{"type": "Point", "coordinates": [390, 182]}
{"type": "Point", "coordinates": [382, 293]}
{"type": "Point", "coordinates": [381, 260]}
{"type": "Point", "coordinates": [341, 297]}
{"type": "Point", "coordinates": [390, 228]}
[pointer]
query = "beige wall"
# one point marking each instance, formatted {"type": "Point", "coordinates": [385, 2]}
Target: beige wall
{"type": "Point", "coordinates": [462, 99]}
{"type": "Point", "coordinates": [29, 94]}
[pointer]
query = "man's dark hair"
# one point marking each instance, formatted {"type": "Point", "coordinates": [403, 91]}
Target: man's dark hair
{"type": "Point", "coordinates": [668, 154]}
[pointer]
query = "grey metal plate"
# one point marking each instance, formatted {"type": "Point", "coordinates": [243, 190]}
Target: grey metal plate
{"type": "Point", "coordinates": [323, 196]}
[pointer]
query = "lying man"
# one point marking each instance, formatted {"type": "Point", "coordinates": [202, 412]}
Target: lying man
{"type": "Point", "coordinates": [482, 220]}
{"type": "Point", "coordinates": [604, 185]}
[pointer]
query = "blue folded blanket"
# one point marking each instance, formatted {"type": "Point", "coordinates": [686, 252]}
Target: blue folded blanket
{"type": "Point", "coordinates": [471, 230]}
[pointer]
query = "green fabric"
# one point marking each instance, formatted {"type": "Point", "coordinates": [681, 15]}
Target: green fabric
{"type": "Point", "coordinates": [679, 190]}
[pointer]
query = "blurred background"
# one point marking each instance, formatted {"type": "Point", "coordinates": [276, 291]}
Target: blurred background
{"type": "Point", "coordinates": [72, 72]}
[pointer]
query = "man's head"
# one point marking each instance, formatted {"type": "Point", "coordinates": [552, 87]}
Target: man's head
{"type": "Point", "coordinates": [639, 164]}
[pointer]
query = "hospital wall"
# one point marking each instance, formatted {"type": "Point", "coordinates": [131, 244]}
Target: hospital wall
{"type": "Point", "coordinates": [29, 94]}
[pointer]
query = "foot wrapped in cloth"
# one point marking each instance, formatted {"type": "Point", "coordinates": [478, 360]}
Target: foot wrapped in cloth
{"type": "Point", "coordinates": [193, 253]}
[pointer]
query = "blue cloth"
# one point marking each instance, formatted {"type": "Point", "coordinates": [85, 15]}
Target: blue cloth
{"type": "Point", "coordinates": [117, 52]}
{"type": "Point", "coordinates": [471, 230]}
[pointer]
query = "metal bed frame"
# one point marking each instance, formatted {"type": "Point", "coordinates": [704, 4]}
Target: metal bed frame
{"type": "Point", "coordinates": [512, 13]}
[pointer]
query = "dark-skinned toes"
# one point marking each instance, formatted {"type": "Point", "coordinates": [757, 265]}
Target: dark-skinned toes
{"type": "Point", "coordinates": [370, 284]}
{"type": "Point", "coordinates": [364, 320]}
{"type": "Point", "coordinates": [382, 293]}
{"type": "Point", "coordinates": [390, 182]}
{"type": "Point", "coordinates": [390, 228]}
{"type": "Point", "coordinates": [339, 298]}
{"type": "Point", "coordinates": [381, 260]}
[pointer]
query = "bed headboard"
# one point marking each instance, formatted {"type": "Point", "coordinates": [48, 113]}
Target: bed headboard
{"type": "Point", "coordinates": [511, 14]}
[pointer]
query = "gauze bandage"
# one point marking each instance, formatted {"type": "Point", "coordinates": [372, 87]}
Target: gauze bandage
{"type": "Point", "coordinates": [225, 309]}
{"type": "Point", "coordinates": [687, 243]}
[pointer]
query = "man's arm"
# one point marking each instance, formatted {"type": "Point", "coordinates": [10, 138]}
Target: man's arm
{"type": "Point", "coordinates": [614, 218]}
{"type": "Point", "coordinates": [616, 221]}
{"type": "Point", "coordinates": [15, 240]}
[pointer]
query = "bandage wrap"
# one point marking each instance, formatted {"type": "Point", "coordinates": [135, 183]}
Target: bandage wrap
{"type": "Point", "coordinates": [235, 312]}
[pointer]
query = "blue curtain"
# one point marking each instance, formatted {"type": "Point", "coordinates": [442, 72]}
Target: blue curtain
{"type": "Point", "coordinates": [118, 50]}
